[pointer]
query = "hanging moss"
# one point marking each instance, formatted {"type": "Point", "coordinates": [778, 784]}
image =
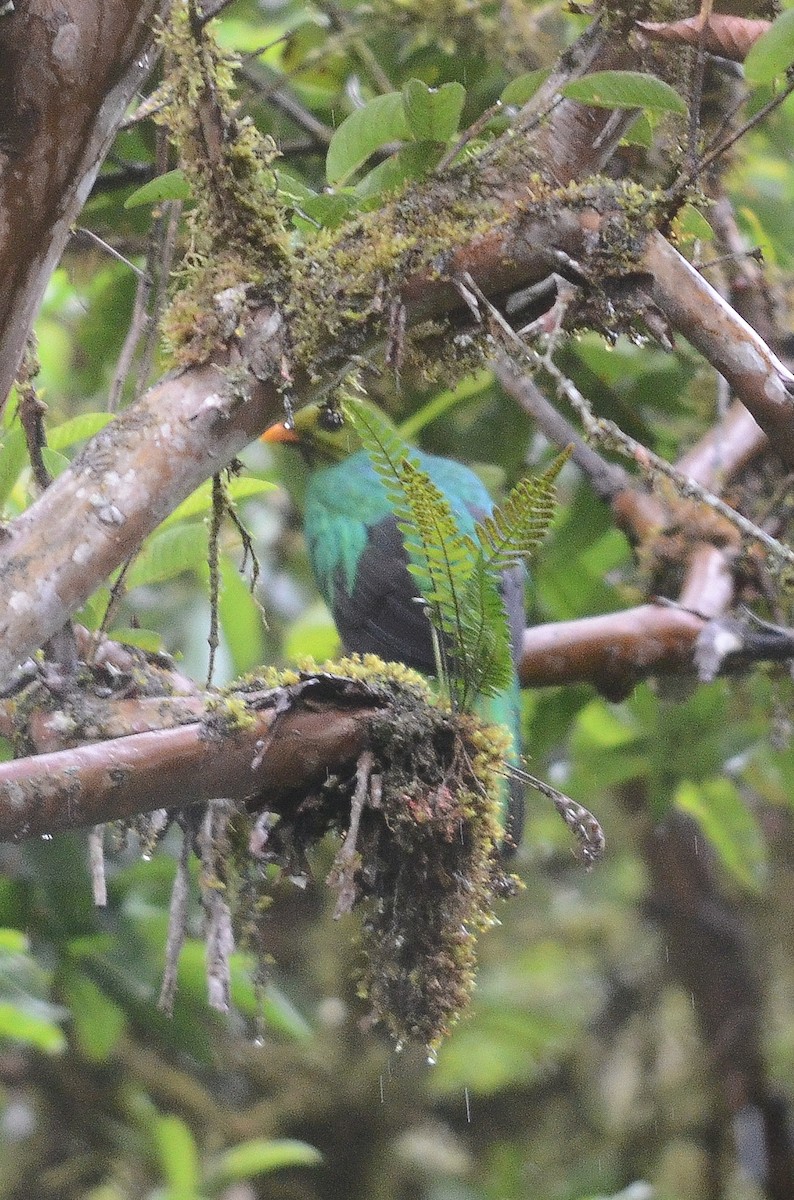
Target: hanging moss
{"type": "Point", "coordinates": [237, 229]}
{"type": "Point", "coordinates": [424, 866]}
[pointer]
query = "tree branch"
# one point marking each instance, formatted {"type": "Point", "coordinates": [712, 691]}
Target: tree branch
{"type": "Point", "coordinates": [69, 72]}
{"type": "Point", "coordinates": [176, 768]}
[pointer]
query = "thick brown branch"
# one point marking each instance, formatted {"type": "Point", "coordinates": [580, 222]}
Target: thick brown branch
{"type": "Point", "coordinates": [69, 72]}
{"type": "Point", "coordinates": [614, 651]}
{"type": "Point", "coordinates": [129, 477]}
{"type": "Point", "coordinates": [175, 768]}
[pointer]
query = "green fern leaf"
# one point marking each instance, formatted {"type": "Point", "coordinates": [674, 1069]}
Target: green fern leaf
{"type": "Point", "coordinates": [441, 558]}
{"type": "Point", "coordinates": [513, 532]}
{"type": "Point", "coordinates": [458, 575]}
{"type": "Point", "coordinates": [486, 639]}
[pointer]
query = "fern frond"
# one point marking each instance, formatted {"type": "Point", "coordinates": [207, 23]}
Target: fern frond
{"type": "Point", "coordinates": [513, 532]}
{"type": "Point", "coordinates": [457, 575]}
{"type": "Point", "coordinates": [486, 646]}
{"type": "Point", "coordinates": [441, 558]}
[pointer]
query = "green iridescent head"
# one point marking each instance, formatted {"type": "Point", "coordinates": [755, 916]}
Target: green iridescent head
{"type": "Point", "coordinates": [319, 430]}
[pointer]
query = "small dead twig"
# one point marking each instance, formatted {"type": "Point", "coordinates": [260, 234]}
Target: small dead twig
{"type": "Point", "coordinates": [342, 876]}
{"type": "Point", "coordinates": [468, 135]}
{"type": "Point", "coordinates": [96, 865]}
{"type": "Point", "coordinates": [218, 509]}
{"type": "Point", "coordinates": [219, 935]}
{"type": "Point", "coordinates": [31, 412]}
{"type": "Point", "coordinates": [581, 822]}
{"type": "Point", "coordinates": [177, 919]}
{"type": "Point", "coordinates": [610, 434]}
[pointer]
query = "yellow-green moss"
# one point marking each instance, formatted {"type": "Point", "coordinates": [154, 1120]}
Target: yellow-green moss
{"type": "Point", "coordinates": [425, 868]}
{"type": "Point", "coordinates": [236, 227]}
{"type": "Point", "coordinates": [226, 714]}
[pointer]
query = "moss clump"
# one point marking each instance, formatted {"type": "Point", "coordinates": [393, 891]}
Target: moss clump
{"type": "Point", "coordinates": [421, 852]}
{"type": "Point", "coordinates": [344, 281]}
{"type": "Point", "coordinates": [431, 866]}
{"type": "Point", "coordinates": [225, 715]}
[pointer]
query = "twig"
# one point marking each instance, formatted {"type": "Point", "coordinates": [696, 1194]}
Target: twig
{"type": "Point", "coordinates": [31, 412]}
{"type": "Point", "coordinates": [467, 136]}
{"type": "Point", "coordinates": [81, 232]}
{"type": "Point", "coordinates": [581, 822]}
{"type": "Point", "coordinates": [177, 918]}
{"type": "Point", "coordinates": [218, 509]}
{"type": "Point", "coordinates": [275, 90]}
{"type": "Point", "coordinates": [607, 479]}
{"type": "Point", "coordinates": [96, 865]}
{"type": "Point", "coordinates": [219, 935]}
{"type": "Point", "coordinates": [608, 433]}
{"type": "Point", "coordinates": [687, 177]}
{"type": "Point", "coordinates": [611, 434]}
{"type": "Point", "coordinates": [342, 876]}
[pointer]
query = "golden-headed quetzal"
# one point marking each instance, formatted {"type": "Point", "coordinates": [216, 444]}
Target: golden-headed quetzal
{"type": "Point", "coordinates": [357, 555]}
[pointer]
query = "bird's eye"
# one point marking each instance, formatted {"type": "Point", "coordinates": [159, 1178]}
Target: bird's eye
{"type": "Point", "coordinates": [330, 419]}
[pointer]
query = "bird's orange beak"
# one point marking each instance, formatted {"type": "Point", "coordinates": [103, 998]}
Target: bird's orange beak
{"type": "Point", "coordinates": [280, 432]}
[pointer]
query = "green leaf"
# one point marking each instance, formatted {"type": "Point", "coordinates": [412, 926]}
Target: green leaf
{"type": "Point", "coordinates": [690, 225]}
{"type": "Point", "coordinates": [413, 161]}
{"type": "Point", "coordinates": [730, 827]}
{"type": "Point", "coordinates": [77, 429]}
{"type": "Point", "coordinates": [468, 389]}
{"type": "Point", "coordinates": [171, 186]}
{"type": "Point", "coordinates": [327, 211]}
{"type": "Point", "coordinates": [773, 53]}
{"type": "Point", "coordinates": [379, 122]}
{"type": "Point", "coordinates": [144, 639]}
{"type": "Point", "coordinates": [260, 1156]}
{"type": "Point", "coordinates": [312, 635]}
{"type": "Point", "coordinates": [292, 190]}
{"type": "Point", "coordinates": [199, 502]}
{"type": "Point", "coordinates": [98, 1022]}
{"type": "Point", "coordinates": [20, 1025]}
{"type": "Point", "coordinates": [639, 132]}
{"type": "Point", "coordinates": [13, 457]}
{"type": "Point", "coordinates": [488, 662]}
{"type": "Point", "coordinates": [241, 618]}
{"type": "Point", "coordinates": [514, 531]}
{"type": "Point", "coordinates": [55, 463]}
{"type": "Point", "coordinates": [13, 448]}
{"type": "Point", "coordinates": [278, 1013]}
{"type": "Point", "coordinates": [433, 114]}
{"type": "Point", "coordinates": [625, 89]}
{"type": "Point", "coordinates": [168, 554]}
{"type": "Point", "coordinates": [13, 941]}
{"type": "Point", "coordinates": [523, 87]}
{"type": "Point", "coordinates": [179, 1157]}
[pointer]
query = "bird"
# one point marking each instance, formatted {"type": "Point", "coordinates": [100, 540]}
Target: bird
{"type": "Point", "coordinates": [360, 566]}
